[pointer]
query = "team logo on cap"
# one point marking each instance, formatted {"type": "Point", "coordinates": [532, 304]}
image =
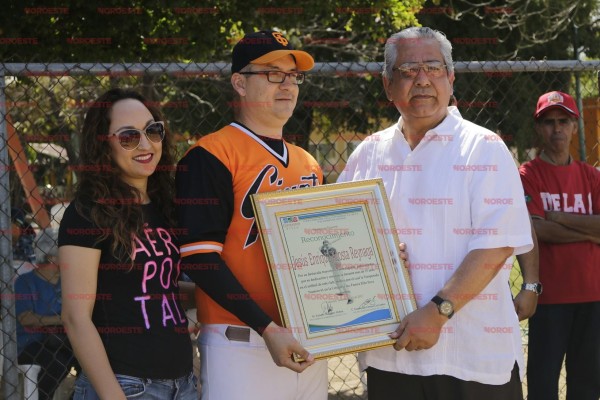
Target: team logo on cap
{"type": "Point", "coordinates": [280, 38]}
{"type": "Point", "coordinates": [555, 98]}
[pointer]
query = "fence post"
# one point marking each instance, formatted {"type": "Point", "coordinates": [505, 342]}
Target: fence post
{"type": "Point", "coordinates": [581, 127]}
{"type": "Point", "coordinates": [7, 272]}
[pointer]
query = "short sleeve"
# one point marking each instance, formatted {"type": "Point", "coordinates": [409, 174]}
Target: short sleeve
{"type": "Point", "coordinates": [77, 230]}
{"type": "Point", "coordinates": [204, 198]}
{"type": "Point", "coordinates": [498, 209]}
{"type": "Point", "coordinates": [532, 191]}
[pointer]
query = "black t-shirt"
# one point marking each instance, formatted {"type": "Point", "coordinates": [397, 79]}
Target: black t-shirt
{"type": "Point", "coordinates": [137, 311]}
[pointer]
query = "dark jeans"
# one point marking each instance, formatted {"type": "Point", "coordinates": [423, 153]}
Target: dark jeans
{"type": "Point", "coordinates": [385, 385]}
{"type": "Point", "coordinates": [55, 357]}
{"type": "Point", "coordinates": [556, 330]}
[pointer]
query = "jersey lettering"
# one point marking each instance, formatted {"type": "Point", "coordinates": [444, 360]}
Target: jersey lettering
{"type": "Point", "coordinates": [563, 202]}
{"type": "Point", "coordinates": [273, 174]}
{"type": "Point", "coordinates": [247, 211]}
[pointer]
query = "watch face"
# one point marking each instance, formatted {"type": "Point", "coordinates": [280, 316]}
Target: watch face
{"type": "Point", "coordinates": [534, 287]}
{"type": "Point", "coordinates": [446, 308]}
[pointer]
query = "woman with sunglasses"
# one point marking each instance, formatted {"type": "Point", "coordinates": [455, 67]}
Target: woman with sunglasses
{"type": "Point", "coordinates": [119, 259]}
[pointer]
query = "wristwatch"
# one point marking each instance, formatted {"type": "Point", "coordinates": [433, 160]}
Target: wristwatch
{"type": "Point", "coordinates": [534, 287]}
{"type": "Point", "coordinates": [445, 307]}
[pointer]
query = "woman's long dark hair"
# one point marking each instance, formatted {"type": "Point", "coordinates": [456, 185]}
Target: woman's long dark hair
{"type": "Point", "coordinates": [109, 201]}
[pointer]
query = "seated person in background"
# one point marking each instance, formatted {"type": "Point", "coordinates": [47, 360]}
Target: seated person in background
{"type": "Point", "coordinates": [40, 336]}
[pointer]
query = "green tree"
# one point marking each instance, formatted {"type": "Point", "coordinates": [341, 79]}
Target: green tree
{"type": "Point", "coordinates": [184, 31]}
{"type": "Point", "coordinates": [513, 30]}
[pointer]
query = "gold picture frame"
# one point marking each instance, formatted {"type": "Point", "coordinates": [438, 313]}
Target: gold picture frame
{"type": "Point", "coordinates": [334, 263]}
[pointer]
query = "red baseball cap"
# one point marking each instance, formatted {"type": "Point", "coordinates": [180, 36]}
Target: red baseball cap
{"type": "Point", "coordinates": [556, 100]}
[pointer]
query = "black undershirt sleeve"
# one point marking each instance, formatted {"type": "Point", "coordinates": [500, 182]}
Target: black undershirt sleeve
{"type": "Point", "coordinates": [205, 207]}
{"type": "Point", "coordinates": [213, 276]}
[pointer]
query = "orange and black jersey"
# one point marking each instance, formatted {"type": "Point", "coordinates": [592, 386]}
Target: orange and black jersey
{"type": "Point", "coordinates": [214, 182]}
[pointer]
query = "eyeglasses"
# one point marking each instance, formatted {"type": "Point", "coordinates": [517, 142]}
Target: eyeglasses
{"type": "Point", "coordinates": [129, 139]}
{"type": "Point", "coordinates": [433, 69]}
{"type": "Point", "coordinates": [279, 76]}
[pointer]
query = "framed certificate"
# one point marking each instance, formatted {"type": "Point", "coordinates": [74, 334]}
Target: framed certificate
{"type": "Point", "coordinates": [332, 250]}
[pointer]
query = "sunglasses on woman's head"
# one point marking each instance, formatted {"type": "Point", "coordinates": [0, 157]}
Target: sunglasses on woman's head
{"type": "Point", "coordinates": [130, 138]}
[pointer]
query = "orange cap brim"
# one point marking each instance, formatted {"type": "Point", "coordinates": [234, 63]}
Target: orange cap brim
{"type": "Point", "coordinates": [304, 61]}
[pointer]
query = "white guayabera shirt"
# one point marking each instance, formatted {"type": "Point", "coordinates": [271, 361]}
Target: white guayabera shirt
{"type": "Point", "coordinates": [457, 191]}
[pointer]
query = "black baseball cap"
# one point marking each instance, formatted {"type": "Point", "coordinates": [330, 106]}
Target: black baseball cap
{"type": "Point", "coordinates": [266, 46]}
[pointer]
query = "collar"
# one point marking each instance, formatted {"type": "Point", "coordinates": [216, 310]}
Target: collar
{"type": "Point", "coordinates": [545, 157]}
{"type": "Point", "coordinates": [283, 157]}
{"type": "Point", "coordinates": [444, 132]}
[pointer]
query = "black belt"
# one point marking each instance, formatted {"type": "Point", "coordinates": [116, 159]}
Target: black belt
{"type": "Point", "coordinates": [237, 334]}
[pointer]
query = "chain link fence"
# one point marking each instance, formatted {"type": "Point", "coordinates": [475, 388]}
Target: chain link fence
{"type": "Point", "coordinates": [43, 106]}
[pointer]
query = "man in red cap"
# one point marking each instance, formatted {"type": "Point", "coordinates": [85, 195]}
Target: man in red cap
{"type": "Point", "coordinates": [241, 340]}
{"type": "Point", "coordinates": [563, 198]}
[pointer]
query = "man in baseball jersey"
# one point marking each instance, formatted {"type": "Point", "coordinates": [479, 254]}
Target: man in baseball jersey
{"type": "Point", "coordinates": [455, 186]}
{"type": "Point", "coordinates": [563, 198]}
{"type": "Point", "coordinates": [241, 342]}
